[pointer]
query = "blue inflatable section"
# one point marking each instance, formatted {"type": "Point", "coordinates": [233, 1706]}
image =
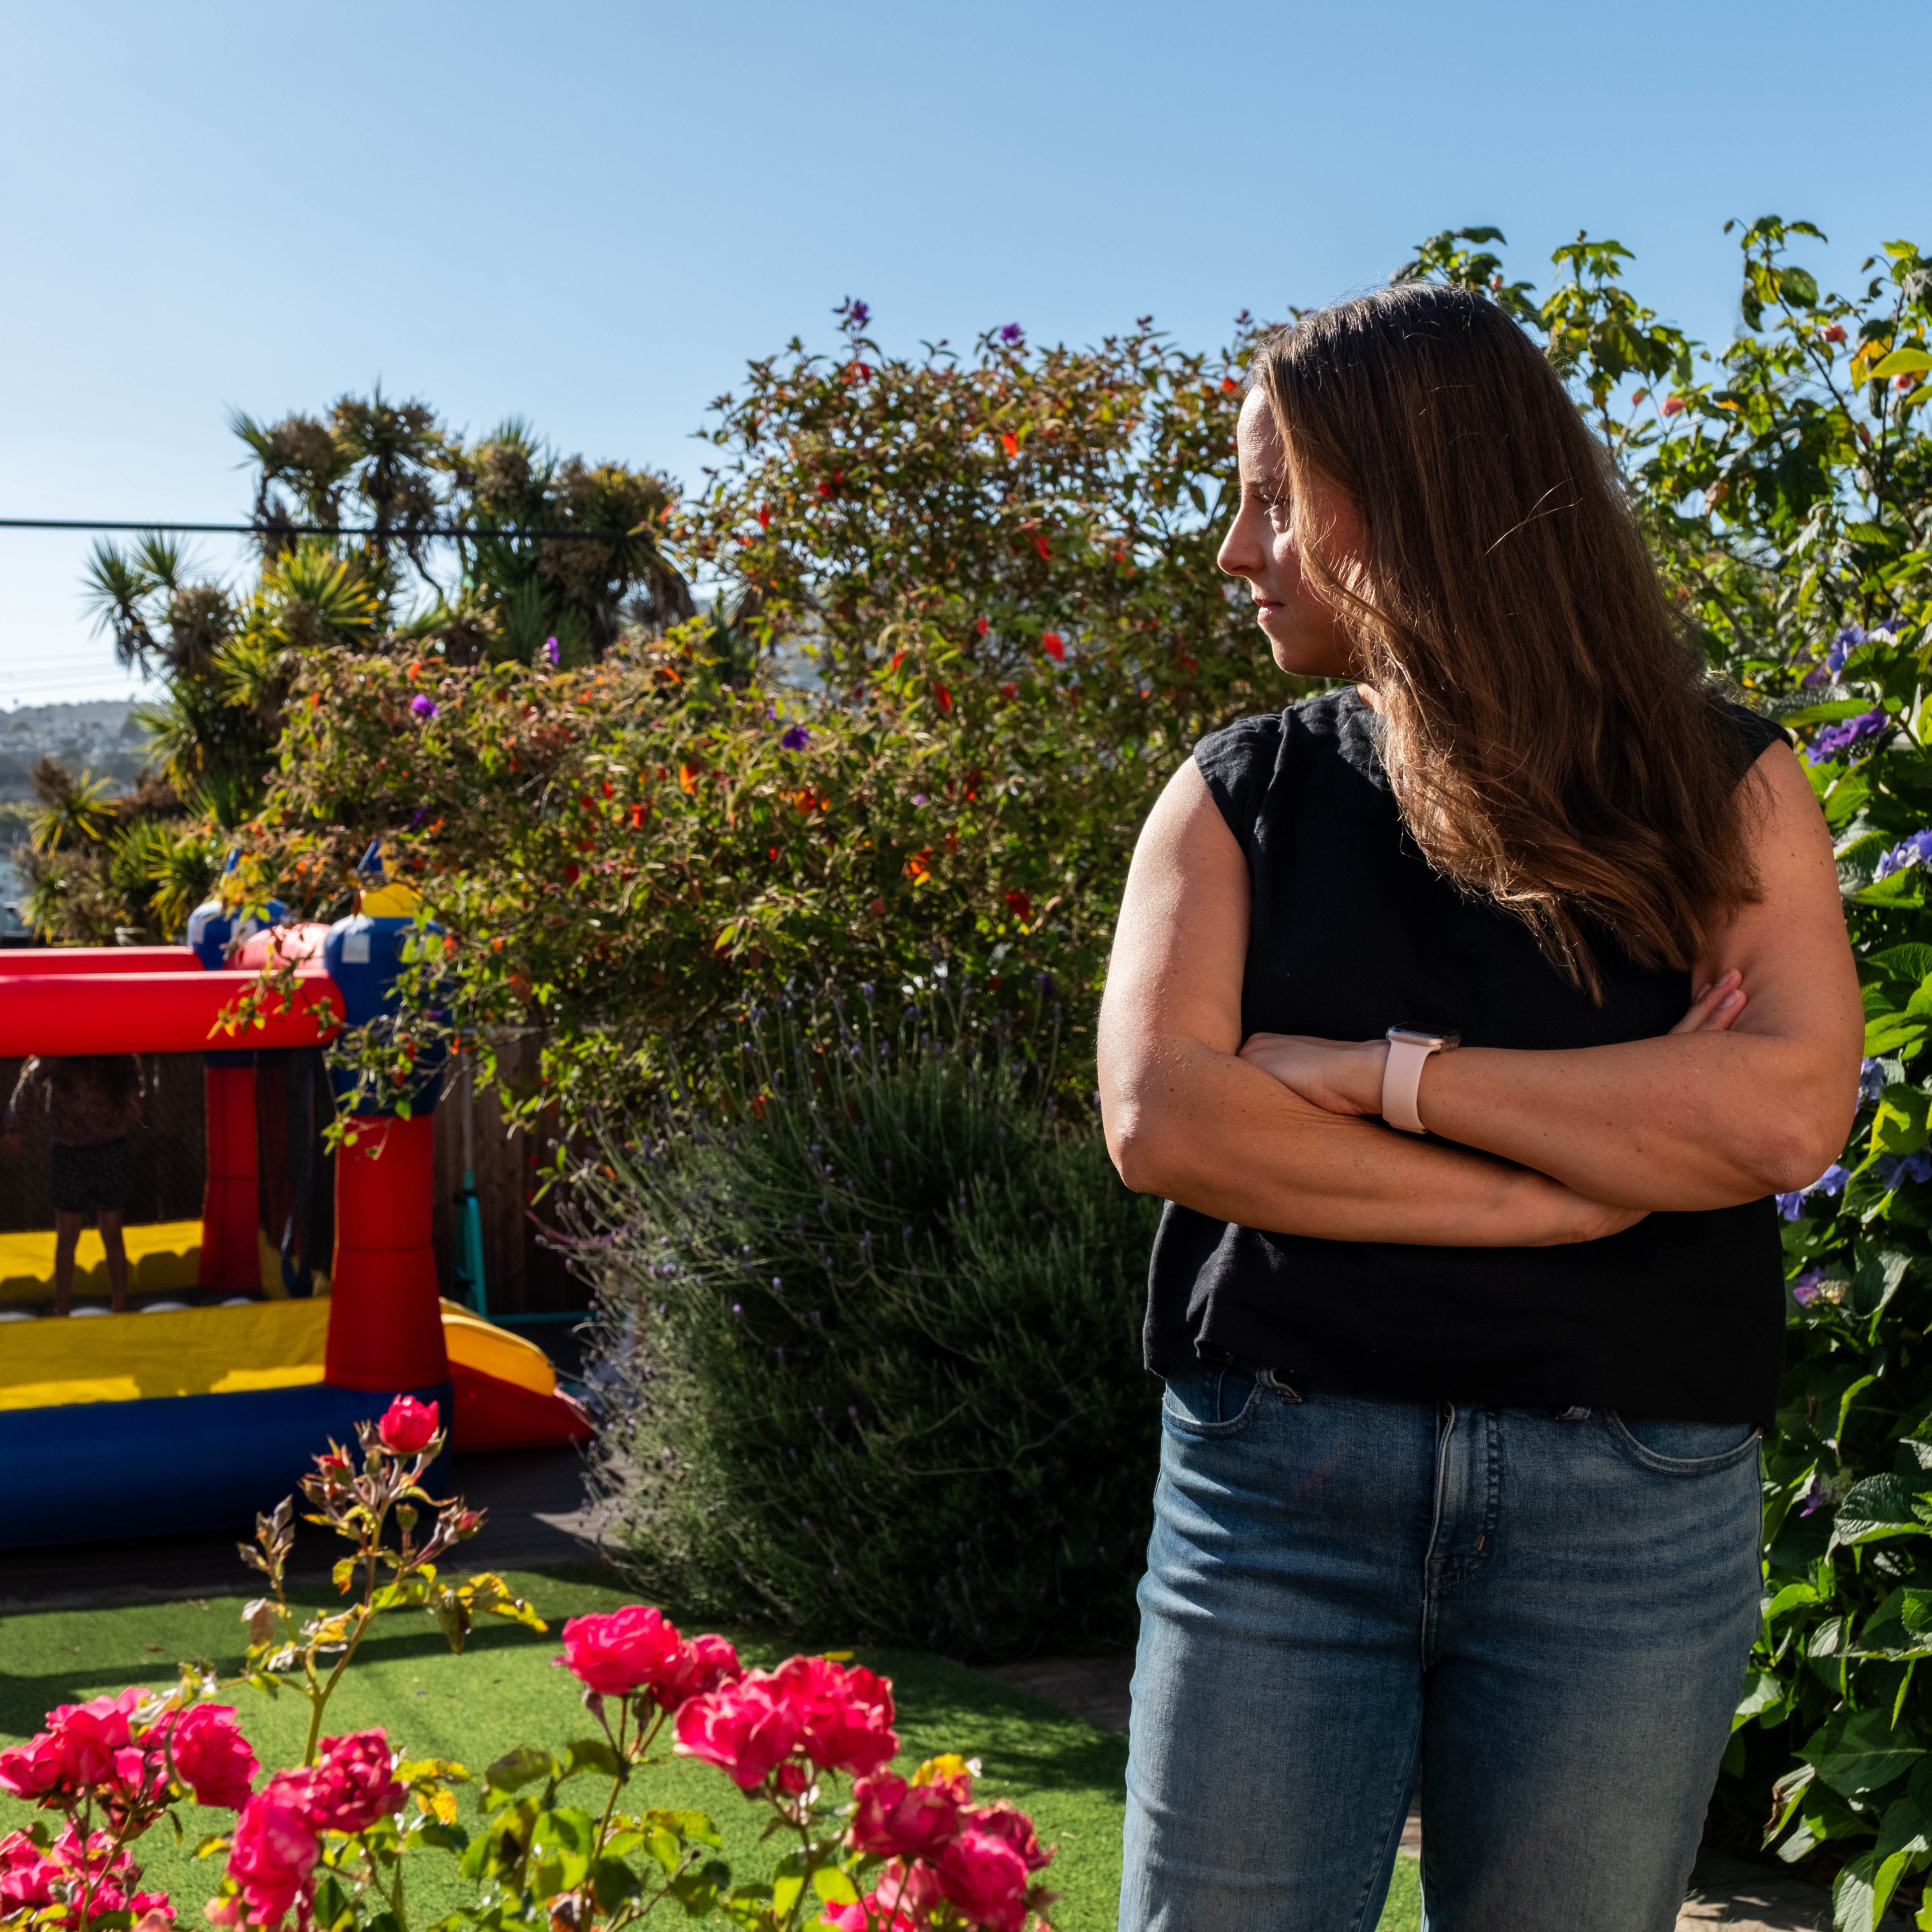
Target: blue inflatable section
{"type": "Point", "coordinates": [82, 1471]}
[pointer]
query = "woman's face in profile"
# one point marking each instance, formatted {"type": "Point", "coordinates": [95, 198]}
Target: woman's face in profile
{"type": "Point", "coordinates": [1262, 547]}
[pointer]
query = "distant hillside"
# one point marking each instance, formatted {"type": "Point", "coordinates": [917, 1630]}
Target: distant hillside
{"type": "Point", "coordinates": [100, 737]}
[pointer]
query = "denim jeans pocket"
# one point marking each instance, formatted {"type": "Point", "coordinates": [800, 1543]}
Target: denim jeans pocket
{"type": "Point", "coordinates": [1209, 1403]}
{"type": "Point", "coordinates": [1681, 1448]}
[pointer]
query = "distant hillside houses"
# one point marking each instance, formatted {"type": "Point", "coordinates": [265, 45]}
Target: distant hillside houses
{"type": "Point", "coordinates": [100, 736]}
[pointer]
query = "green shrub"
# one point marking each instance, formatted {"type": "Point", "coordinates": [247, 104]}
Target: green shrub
{"type": "Point", "coordinates": [870, 1341]}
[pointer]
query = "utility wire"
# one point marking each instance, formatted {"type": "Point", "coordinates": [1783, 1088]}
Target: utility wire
{"type": "Point", "coordinates": [311, 530]}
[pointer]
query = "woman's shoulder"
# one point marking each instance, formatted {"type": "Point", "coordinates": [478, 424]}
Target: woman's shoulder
{"type": "Point", "coordinates": [1745, 733]}
{"type": "Point", "coordinates": [1244, 760]}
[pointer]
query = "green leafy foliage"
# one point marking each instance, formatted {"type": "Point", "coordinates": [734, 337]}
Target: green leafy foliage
{"type": "Point", "coordinates": [870, 1347]}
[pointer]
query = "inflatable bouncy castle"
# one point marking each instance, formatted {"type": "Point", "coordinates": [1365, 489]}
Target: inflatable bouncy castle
{"type": "Point", "coordinates": [183, 1416]}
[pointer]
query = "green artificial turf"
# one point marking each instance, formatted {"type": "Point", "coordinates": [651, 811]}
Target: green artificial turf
{"type": "Point", "coordinates": [503, 1691]}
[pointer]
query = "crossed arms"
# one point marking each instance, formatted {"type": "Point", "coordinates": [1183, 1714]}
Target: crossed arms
{"type": "Point", "coordinates": [1753, 1093]}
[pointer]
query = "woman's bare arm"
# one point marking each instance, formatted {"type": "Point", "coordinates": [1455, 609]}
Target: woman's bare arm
{"type": "Point", "coordinates": [1696, 1120]}
{"type": "Point", "coordinates": [1187, 1117]}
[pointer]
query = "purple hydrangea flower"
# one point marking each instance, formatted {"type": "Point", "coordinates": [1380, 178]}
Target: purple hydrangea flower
{"type": "Point", "coordinates": [551, 652]}
{"type": "Point", "coordinates": [1871, 1080]}
{"type": "Point", "coordinates": [1894, 1167]}
{"type": "Point", "coordinates": [1847, 736]}
{"type": "Point", "coordinates": [1804, 1289]}
{"type": "Point", "coordinates": [1819, 1493]}
{"type": "Point", "coordinates": [1012, 332]}
{"type": "Point", "coordinates": [1914, 850]}
{"type": "Point", "coordinates": [1832, 1181]}
{"type": "Point", "coordinates": [423, 705]}
{"type": "Point", "coordinates": [796, 739]}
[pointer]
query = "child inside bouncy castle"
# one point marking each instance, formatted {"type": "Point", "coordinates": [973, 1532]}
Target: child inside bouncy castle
{"type": "Point", "coordinates": [93, 1103]}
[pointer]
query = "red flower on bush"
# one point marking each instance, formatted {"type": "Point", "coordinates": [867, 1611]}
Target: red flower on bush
{"type": "Point", "coordinates": [703, 1664]}
{"type": "Point", "coordinates": [896, 1820]}
{"type": "Point", "coordinates": [353, 1784]}
{"type": "Point", "coordinates": [88, 1738]}
{"type": "Point", "coordinates": [1055, 646]}
{"type": "Point", "coordinates": [274, 1853]}
{"type": "Point", "coordinates": [407, 1427]}
{"type": "Point", "coordinates": [982, 1873]}
{"type": "Point", "coordinates": [1020, 903]}
{"type": "Point", "coordinates": [871, 1914]}
{"type": "Point", "coordinates": [617, 1653]}
{"type": "Point", "coordinates": [32, 1769]}
{"type": "Point", "coordinates": [1672, 406]}
{"type": "Point", "coordinates": [28, 1876]}
{"type": "Point", "coordinates": [747, 1729]}
{"type": "Point", "coordinates": [844, 1713]}
{"type": "Point", "coordinates": [212, 1757]}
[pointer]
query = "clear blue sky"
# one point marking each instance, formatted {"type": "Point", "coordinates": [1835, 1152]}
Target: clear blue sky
{"type": "Point", "coordinates": [592, 214]}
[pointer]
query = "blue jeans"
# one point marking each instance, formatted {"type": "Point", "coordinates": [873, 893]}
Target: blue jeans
{"type": "Point", "coordinates": [1546, 1619]}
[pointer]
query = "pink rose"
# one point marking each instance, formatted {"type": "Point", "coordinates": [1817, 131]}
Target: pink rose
{"type": "Point", "coordinates": [746, 1729]}
{"type": "Point", "coordinates": [352, 1783]}
{"type": "Point", "coordinates": [86, 1736]}
{"type": "Point", "coordinates": [615, 1654]}
{"type": "Point", "coordinates": [702, 1664]}
{"type": "Point", "coordinates": [407, 1427]}
{"type": "Point", "coordinates": [28, 1876]}
{"type": "Point", "coordinates": [1006, 1822]}
{"type": "Point", "coordinates": [95, 1866]}
{"type": "Point", "coordinates": [983, 1875]}
{"type": "Point", "coordinates": [32, 1769]}
{"type": "Point", "coordinates": [872, 1914]}
{"type": "Point", "coordinates": [211, 1756]}
{"type": "Point", "coordinates": [844, 1713]}
{"type": "Point", "coordinates": [896, 1820]}
{"type": "Point", "coordinates": [275, 1847]}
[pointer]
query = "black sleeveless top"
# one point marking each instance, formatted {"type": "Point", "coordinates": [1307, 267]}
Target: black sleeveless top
{"type": "Point", "coordinates": [1681, 1316]}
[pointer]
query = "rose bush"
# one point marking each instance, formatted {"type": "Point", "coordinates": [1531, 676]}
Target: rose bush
{"type": "Point", "coordinates": [323, 1844]}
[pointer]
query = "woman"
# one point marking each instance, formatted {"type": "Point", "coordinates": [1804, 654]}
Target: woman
{"type": "Point", "coordinates": [1467, 1347]}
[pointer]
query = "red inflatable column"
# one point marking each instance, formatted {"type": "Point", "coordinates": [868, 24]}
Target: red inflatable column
{"type": "Point", "coordinates": [231, 1255]}
{"type": "Point", "coordinates": [385, 1326]}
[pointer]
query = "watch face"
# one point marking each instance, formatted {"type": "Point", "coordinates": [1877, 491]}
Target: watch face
{"type": "Point", "coordinates": [1425, 1037]}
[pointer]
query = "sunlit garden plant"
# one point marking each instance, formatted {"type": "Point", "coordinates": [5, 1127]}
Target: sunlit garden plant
{"type": "Point", "coordinates": [326, 1843]}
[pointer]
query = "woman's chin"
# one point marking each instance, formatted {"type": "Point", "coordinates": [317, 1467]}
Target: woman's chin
{"type": "Point", "coordinates": [1304, 656]}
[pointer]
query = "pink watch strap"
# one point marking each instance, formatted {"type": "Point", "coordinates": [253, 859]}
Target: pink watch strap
{"type": "Point", "coordinates": [1402, 1076]}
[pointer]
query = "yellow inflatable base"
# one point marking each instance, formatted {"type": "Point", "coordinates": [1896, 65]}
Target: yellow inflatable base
{"type": "Point", "coordinates": [163, 1257]}
{"type": "Point", "coordinates": [259, 1344]}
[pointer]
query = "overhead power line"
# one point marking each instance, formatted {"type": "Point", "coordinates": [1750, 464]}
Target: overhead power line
{"type": "Point", "coordinates": [469, 534]}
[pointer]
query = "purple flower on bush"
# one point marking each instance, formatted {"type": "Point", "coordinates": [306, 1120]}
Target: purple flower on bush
{"type": "Point", "coordinates": [1848, 640]}
{"type": "Point", "coordinates": [860, 313]}
{"type": "Point", "coordinates": [1914, 850]}
{"type": "Point", "coordinates": [551, 652]}
{"type": "Point", "coordinates": [1012, 332]}
{"type": "Point", "coordinates": [423, 706]}
{"type": "Point", "coordinates": [1832, 1181]}
{"type": "Point", "coordinates": [796, 739]}
{"type": "Point", "coordinates": [1871, 1080]}
{"type": "Point", "coordinates": [1894, 1168]}
{"type": "Point", "coordinates": [1804, 1289]}
{"type": "Point", "coordinates": [1835, 739]}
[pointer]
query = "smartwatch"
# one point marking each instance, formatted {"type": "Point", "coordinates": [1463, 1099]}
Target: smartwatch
{"type": "Point", "coordinates": [1409, 1047]}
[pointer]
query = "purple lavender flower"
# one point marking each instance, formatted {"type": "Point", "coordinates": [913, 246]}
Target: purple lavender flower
{"type": "Point", "coordinates": [1852, 733]}
{"type": "Point", "coordinates": [1804, 1289]}
{"type": "Point", "coordinates": [423, 705]}
{"type": "Point", "coordinates": [551, 652]}
{"type": "Point", "coordinates": [1871, 1080]}
{"type": "Point", "coordinates": [1914, 850]}
{"type": "Point", "coordinates": [1012, 332]}
{"type": "Point", "coordinates": [796, 739]}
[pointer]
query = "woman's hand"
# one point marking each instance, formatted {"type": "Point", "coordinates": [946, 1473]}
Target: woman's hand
{"type": "Point", "coordinates": [1345, 1076]}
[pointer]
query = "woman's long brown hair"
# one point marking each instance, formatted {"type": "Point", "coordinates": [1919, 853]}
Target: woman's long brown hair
{"type": "Point", "coordinates": [1551, 737]}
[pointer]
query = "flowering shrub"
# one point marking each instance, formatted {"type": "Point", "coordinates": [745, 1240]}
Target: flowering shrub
{"type": "Point", "coordinates": [836, 1312]}
{"type": "Point", "coordinates": [323, 1842]}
